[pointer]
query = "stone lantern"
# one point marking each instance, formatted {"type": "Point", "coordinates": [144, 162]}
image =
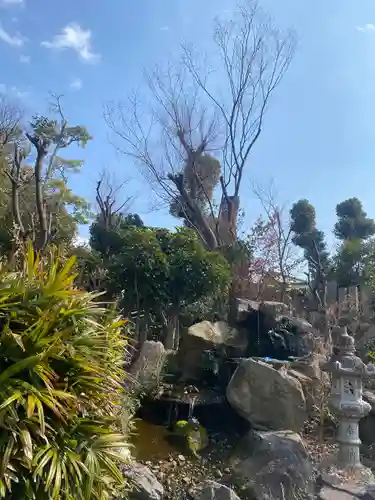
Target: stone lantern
{"type": "Point", "coordinates": [347, 371]}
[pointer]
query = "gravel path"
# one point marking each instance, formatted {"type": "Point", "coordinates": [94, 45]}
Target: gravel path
{"type": "Point", "coordinates": [180, 473]}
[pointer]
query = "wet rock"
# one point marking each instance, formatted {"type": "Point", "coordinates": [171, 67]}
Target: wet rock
{"type": "Point", "coordinates": [302, 338]}
{"type": "Point", "coordinates": [273, 333]}
{"type": "Point", "coordinates": [146, 369]}
{"type": "Point", "coordinates": [272, 465]}
{"type": "Point", "coordinates": [144, 483]}
{"type": "Point", "coordinates": [211, 490]}
{"type": "Point", "coordinates": [266, 397]}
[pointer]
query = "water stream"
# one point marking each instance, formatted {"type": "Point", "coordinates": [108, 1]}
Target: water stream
{"type": "Point", "coordinates": [192, 401]}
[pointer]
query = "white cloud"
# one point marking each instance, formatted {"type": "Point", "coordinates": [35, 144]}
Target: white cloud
{"type": "Point", "coordinates": [75, 38]}
{"type": "Point", "coordinates": [13, 40]}
{"type": "Point", "coordinates": [20, 94]}
{"type": "Point", "coordinates": [25, 59]}
{"type": "Point", "coordinates": [164, 28]}
{"type": "Point", "coordinates": [14, 91]}
{"type": "Point", "coordinates": [76, 84]}
{"type": "Point", "coordinates": [366, 27]}
{"type": "Point", "coordinates": [12, 3]}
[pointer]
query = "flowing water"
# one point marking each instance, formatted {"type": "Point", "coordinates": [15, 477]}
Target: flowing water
{"type": "Point", "coordinates": [192, 401]}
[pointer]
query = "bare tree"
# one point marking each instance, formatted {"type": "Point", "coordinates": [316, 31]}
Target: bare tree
{"type": "Point", "coordinates": [276, 257]}
{"type": "Point", "coordinates": [192, 115]}
{"type": "Point", "coordinates": [171, 136]}
{"type": "Point", "coordinates": [108, 190]}
{"type": "Point", "coordinates": [11, 116]}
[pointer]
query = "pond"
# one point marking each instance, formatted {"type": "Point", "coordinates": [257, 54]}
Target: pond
{"type": "Point", "coordinates": [151, 442]}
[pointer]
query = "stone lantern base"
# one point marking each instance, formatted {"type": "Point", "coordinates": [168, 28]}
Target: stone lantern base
{"type": "Point", "coordinates": [335, 473]}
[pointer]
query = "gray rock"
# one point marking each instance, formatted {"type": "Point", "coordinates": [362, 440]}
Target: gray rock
{"type": "Point", "coordinates": [211, 490]}
{"type": "Point", "coordinates": [144, 483]}
{"type": "Point", "coordinates": [146, 369]}
{"type": "Point", "coordinates": [272, 308]}
{"type": "Point", "coordinates": [216, 333]}
{"type": "Point", "coordinates": [273, 466]}
{"type": "Point", "coordinates": [369, 397]}
{"type": "Point", "coordinates": [311, 367]}
{"type": "Point", "coordinates": [267, 397]}
{"type": "Point", "coordinates": [301, 323]}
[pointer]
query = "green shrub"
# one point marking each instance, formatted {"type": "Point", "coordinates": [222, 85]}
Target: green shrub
{"type": "Point", "coordinates": [61, 386]}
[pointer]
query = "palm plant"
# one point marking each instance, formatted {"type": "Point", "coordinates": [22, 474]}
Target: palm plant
{"type": "Point", "coordinates": [61, 386]}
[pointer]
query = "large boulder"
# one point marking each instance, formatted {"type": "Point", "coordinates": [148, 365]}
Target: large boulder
{"type": "Point", "coordinates": [271, 309]}
{"type": "Point", "coordinates": [216, 333]}
{"type": "Point", "coordinates": [315, 383]}
{"type": "Point", "coordinates": [146, 369]}
{"type": "Point", "coordinates": [144, 485]}
{"type": "Point", "coordinates": [267, 397]}
{"type": "Point", "coordinates": [211, 490]}
{"type": "Point", "coordinates": [274, 309]}
{"type": "Point", "coordinates": [272, 466]}
{"type": "Point", "coordinates": [208, 337]}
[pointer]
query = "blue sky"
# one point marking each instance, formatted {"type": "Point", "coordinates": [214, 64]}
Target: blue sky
{"type": "Point", "coordinates": [318, 140]}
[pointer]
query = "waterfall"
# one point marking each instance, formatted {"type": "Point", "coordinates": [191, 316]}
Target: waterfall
{"type": "Point", "coordinates": [192, 401]}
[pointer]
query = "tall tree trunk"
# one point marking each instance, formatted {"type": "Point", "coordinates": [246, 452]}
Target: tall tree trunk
{"type": "Point", "coordinates": [43, 233]}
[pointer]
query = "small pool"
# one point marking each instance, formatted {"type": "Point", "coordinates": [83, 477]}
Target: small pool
{"type": "Point", "coordinates": [150, 442]}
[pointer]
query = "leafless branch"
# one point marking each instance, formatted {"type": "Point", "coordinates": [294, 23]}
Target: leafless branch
{"type": "Point", "coordinates": [10, 120]}
{"type": "Point", "coordinates": [176, 131]}
{"type": "Point", "coordinates": [255, 56]}
{"type": "Point", "coordinates": [282, 256]}
{"type": "Point", "coordinates": [108, 190]}
{"type": "Point", "coordinates": [187, 113]}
